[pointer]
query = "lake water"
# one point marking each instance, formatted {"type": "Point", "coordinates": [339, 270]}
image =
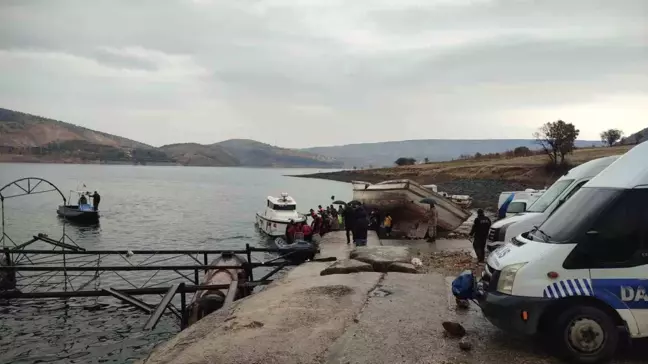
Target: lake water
{"type": "Point", "coordinates": [141, 207]}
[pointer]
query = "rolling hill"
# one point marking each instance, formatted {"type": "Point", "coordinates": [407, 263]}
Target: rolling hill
{"type": "Point", "coordinates": [244, 152]}
{"type": "Point", "coordinates": [385, 153]}
{"type": "Point", "coordinates": [31, 138]}
{"type": "Point", "coordinates": [193, 154]}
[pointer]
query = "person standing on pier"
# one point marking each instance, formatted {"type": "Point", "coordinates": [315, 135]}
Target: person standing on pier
{"type": "Point", "coordinates": [360, 227]}
{"type": "Point", "coordinates": [433, 220]}
{"type": "Point", "coordinates": [349, 221]}
{"type": "Point", "coordinates": [479, 232]}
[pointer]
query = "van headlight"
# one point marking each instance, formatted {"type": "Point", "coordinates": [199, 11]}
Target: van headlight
{"type": "Point", "coordinates": [507, 277]}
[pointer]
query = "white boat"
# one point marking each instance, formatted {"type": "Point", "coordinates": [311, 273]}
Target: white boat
{"type": "Point", "coordinates": [278, 213]}
{"type": "Point", "coordinates": [401, 198]}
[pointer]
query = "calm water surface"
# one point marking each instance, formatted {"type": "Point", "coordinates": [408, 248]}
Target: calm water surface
{"type": "Point", "coordinates": [141, 208]}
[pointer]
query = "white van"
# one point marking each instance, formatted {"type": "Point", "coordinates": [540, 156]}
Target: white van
{"type": "Point", "coordinates": [581, 278]}
{"type": "Point", "coordinates": [515, 202]}
{"type": "Point", "coordinates": [506, 229]}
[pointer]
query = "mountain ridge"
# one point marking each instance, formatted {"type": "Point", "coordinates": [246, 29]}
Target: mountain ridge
{"type": "Point", "coordinates": [383, 154]}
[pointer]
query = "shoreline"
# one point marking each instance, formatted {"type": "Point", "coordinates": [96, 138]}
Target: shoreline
{"type": "Point", "coordinates": [485, 192]}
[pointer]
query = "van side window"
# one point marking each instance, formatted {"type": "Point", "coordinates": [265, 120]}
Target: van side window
{"type": "Point", "coordinates": [619, 236]}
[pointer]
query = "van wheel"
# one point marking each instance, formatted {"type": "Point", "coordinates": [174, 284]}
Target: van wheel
{"type": "Point", "coordinates": [585, 334]}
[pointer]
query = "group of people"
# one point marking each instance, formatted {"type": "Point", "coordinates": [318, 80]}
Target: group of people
{"type": "Point", "coordinates": [96, 199]}
{"type": "Point", "coordinates": [356, 222]}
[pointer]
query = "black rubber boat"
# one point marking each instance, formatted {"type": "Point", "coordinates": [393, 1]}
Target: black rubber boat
{"type": "Point", "coordinates": [299, 251]}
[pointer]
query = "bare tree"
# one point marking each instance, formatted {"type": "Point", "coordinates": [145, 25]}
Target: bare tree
{"type": "Point", "coordinates": [557, 140]}
{"type": "Point", "coordinates": [611, 136]}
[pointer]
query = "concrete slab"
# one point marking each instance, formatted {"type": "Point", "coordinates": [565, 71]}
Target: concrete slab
{"type": "Point", "coordinates": [402, 324]}
{"type": "Point", "coordinates": [402, 268]}
{"type": "Point", "coordinates": [291, 322]}
{"type": "Point", "coordinates": [347, 266]}
{"type": "Point", "coordinates": [381, 257]}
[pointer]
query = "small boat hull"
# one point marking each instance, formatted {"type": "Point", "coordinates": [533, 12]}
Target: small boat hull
{"type": "Point", "coordinates": [73, 213]}
{"type": "Point", "coordinates": [206, 302]}
{"type": "Point", "coordinates": [273, 227]}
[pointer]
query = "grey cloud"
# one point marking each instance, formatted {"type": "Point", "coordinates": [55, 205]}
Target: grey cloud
{"type": "Point", "coordinates": [259, 69]}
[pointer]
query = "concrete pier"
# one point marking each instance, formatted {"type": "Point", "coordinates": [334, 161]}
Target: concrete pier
{"type": "Point", "coordinates": [363, 317]}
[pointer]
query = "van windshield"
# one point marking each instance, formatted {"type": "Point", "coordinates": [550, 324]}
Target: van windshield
{"type": "Point", "coordinates": [547, 198]}
{"type": "Point", "coordinates": [575, 215]}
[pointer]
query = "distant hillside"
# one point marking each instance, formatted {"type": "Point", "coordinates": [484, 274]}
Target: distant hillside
{"type": "Point", "coordinates": [636, 138]}
{"type": "Point", "coordinates": [385, 153]}
{"type": "Point", "coordinates": [193, 154]}
{"type": "Point", "coordinates": [481, 179]}
{"type": "Point", "coordinates": [18, 129]}
{"type": "Point", "coordinates": [30, 138]}
{"type": "Point", "coordinates": [256, 154]}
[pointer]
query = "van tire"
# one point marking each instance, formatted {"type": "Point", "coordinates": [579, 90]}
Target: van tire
{"type": "Point", "coordinates": [591, 322]}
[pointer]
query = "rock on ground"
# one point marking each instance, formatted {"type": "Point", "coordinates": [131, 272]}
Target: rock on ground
{"type": "Point", "coordinates": [347, 266]}
{"type": "Point", "coordinates": [454, 329]}
{"type": "Point", "coordinates": [381, 257]}
{"type": "Point", "coordinates": [402, 268]}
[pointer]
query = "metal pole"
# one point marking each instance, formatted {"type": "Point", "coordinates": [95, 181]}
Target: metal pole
{"type": "Point", "coordinates": [248, 267]}
{"type": "Point", "coordinates": [196, 282]}
{"type": "Point", "coordinates": [205, 261]}
{"type": "Point", "coordinates": [3, 223]}
{"type": "Point", "coordinates": [183, 306]}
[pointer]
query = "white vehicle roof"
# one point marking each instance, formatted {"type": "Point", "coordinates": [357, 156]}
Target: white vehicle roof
{"type": "Point", "coordinates": [591, 168]}
{"type": "Point", "coordinates": [629, 171]}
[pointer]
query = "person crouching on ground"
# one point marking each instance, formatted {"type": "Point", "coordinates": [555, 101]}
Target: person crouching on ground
{"type": "Point", "coordinates": [360, 228]}
{"type": "Point", "coordinates": [479, 232]}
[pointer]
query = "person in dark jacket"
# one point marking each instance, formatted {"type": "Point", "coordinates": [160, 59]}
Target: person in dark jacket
{"type": "Point", "coordinates": [360, 227]}
{"type": "Point", "coordinates": [95, 200]}
{"type": "Point", "coordinates": [349, 220]}
{"type": "Point", "coordinates": [479, 232]}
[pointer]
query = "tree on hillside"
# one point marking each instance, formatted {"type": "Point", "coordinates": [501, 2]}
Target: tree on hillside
{"type": "Point", "coordinates": [522, 152]}
{"type": "Point", "coordinates": [557, 140]}
{"type": "Point", "coordinates": [611, 136]}
{"type": "Point", "coordinates": [403, 161]}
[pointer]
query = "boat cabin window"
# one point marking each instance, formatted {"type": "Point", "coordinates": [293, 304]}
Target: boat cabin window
{"type": "Point", "coordinates": [281, 207]}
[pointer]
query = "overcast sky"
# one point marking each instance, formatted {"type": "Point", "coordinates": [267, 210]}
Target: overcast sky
{"type": "Point", "coordinates": [299, 73]}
